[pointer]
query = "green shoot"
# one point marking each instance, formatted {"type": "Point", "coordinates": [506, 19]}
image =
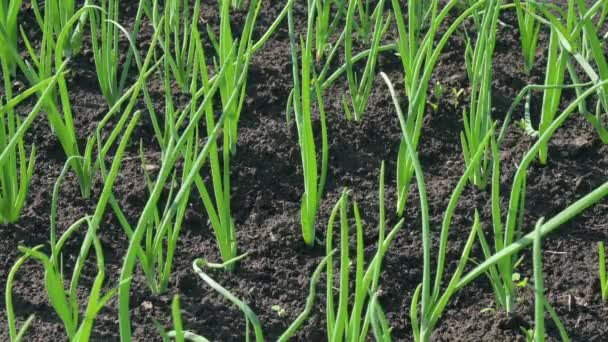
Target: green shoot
{"type": "Point", "coordinates": [361, 89]}
{"type": "Point", "coordinates": [595, 47]}
{"type": "Point", "coordinates": [241, 60]}
{"type": "Point", "coordinates": [302, 105]}
{"type": "Point", "coordinates": [250, 316]}
{"type": "Point", "coordinates": [325, 25]}
{"type": "Point", "coordinates": [16, 169]}
{"type": "Point", "coordinates": [529, 29]}
{"type": "Point", "coordinates": [42, 66]}
{"type": "Point", "coordinates": [419, 53]}
{"type": "Point", "coordinates": [478, 120]}
{"type": "Point", "coordinates": [506, 253]}
{"type": "Point", "coordinates": [232, 85]}
{"type": "Point", "coordinates": [9, 10]}
{"type": "Point", "coordinates": [179, 334]}
{"type": "Point", "coordinates": [539, 285]}
{"type": "Point", "coordinates": [177, 319]}
{"type": "Point", "coordinates": [540, 301]}
{"type": "Point", "coordinates": [66, 306]}
{"type": "Point", "coordinates": [432, 300]}
{"type": "Point", "coordinates": [66, 303]}
{"type": "Point", "coordinates": [104, 40]}
{"type": "Point", "coordinates": [57, 14]}
{"type": "Point", "coordinates": [354, 324]}
{"type": "Point", "coordinates": [173, 152]}
{"type": "Point", "coordinates": [603, 270]}
{"type": "Point", "coordinates": [580, 38]}
{"type": "Point", "coordinates": [556, 69]}
{"type": "Point", "coordinates": [180, 39]}
{"type": "Point", "coordinates": [557, 62]}
{"type": "Point", "coordinates": [14, 334]}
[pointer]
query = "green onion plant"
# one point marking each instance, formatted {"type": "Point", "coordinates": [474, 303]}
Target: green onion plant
{"type": "Point", "coordinates": [603, 270]}
{"type": "Point", "coordinates": [360, 89]}
{"type": "Point", "coordinates": [42, 65]}
{"type": "Point", "coordinates": [57, 14]}
{"type": "Point", "coordinates": [430, 295]}
{"type": "Point", "coordinates": [9, 11]}
{"type": "Point", "coordinates": [419, 53]}
{"type": "Point", "coordinates": [232, 85]}
{"type": "Point", "coordinates": [104, 43]}
{"type": "Point", "coordinates": [557, 62]}
{"type": "Point", "coordinates": [579, 36]}
{"type": "Point", "coordinates": [478, 119]}
{"type": "Point", "coordinates": [500, 271]}
{"type": "Point", "coordinates": [173, 151]}
{"type": "Point", "coordinates": [303, 97]}
{"type": "Point", "coordinates": [529, 30]}
{"type": "Point", "coordinates": [181, 35]}
{"type": "Point", "coordinates": [65, 303]}
{"type": "Point", "coordinates": [326, 25]}
{"type": "Point", "coordinates": [178, 334]}
{"type": "Point", "coordinates": [354, 323]}
{"type": "Point", "coordinates": [595, 50]}
{"type": "Point", "coordinates": [250, 317]}
{"type": "Point", "coordinates": [16, 169]}
{"type": "Point", "coordinates": [540, 302]}
{"type": "Point", "coordinates": [556, 69]}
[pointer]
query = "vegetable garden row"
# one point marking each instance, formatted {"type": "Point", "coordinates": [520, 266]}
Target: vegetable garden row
{"type": "Point", "coordinates": [311, 170]}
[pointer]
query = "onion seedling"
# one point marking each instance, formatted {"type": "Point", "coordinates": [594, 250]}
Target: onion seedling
{"type": "Point", "coordinates": [302, 104]}
{"type": "Point", "coordinates": [556, 69]}
{"type": "Point", "coordinates": [57, 14]}
{"type": "Point", "coordinates": [16, 335]}
{"type": "Point", "coordinates": [540, 301]}
{"type": "Point", "coordinates": [162, 234]}
{"type": "Point", "coordinates": [419, 53]}
{"type": "Point", "coordinates": [354, 324]}
{"type": "Point", "coordinates": [179, 334]}
{"type": "Point", "coordinates": [504, 238]}
{"type": "Point", "coordinates": [596, 52]}
{"type": "Point", "coordinates": [223, 46]}
{"type": "Point", "coordinates": [557, 62]}
{"type": "Point", "coordinates": [478, 119]}
{"type": "Point", "coordinates": [529, 29]}
{"type": "Point", "coordinates": [360, 89]}
{"type": "Point", "coordinates": [235, 54]}
{"type": "Point", "coordinates": [16, 169]}
{"type": "Point", "coordinates": [9, 11]}
{"type": "Point", "coordinates": [181, 33]}
{"type": "Point", "coordinates": [105, 32]}
{"type": "Point", "coordinates": [430, 296]}
{"type": "Point", "coordinates": [43, 66]}
{"type": "Point", "coordinates": [580, 38]}
{"type": "Point", "coordinates": [250, 317]}
{"type": "Point", "coordinates": [65, 303]}
{"type": "Point", "coordinates": [603, 270]}
{"type": "Point", "coordinates": [173, 152]}
{"type": "Point", "coordinates": [325, 25]}
{"type": "Point", "coordinates": [104, 44]}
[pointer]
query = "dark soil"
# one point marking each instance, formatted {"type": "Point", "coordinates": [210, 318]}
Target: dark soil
{"type": "Point", "coordinates": [267, 185]}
